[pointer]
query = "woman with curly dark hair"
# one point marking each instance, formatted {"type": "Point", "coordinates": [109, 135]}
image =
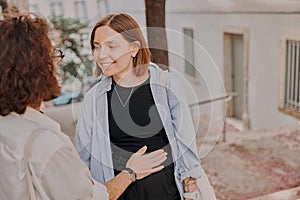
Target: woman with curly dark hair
{"type": "Point", "coordinates": [28, 74]}
{"type": "Point", "coordinates": [36, 159]}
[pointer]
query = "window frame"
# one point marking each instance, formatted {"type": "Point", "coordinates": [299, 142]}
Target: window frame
{"type": "Point", "coordinates": [80, 5]}
{"type": "Point", "coordinates": [189, 60]}
{"type": "Point", "coordinates": [283, 105]}
{"type": "Point", "coordinates": [53, 7]}
{"type": "Point", "coordinates": [102, 12]}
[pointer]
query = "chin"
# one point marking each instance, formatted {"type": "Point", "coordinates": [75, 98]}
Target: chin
{"type": "Point", "coordinates": [107, 73]}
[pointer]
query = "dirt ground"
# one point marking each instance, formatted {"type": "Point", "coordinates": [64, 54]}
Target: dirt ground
{"type": "Point", "coordinates": [254, 163]}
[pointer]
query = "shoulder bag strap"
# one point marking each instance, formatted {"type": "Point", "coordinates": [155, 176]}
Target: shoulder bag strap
{"type": "Point", "coordinates": [31, 192]}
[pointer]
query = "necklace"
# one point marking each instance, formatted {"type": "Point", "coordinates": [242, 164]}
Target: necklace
{"type": "Point", "coordinates": [123, 104]}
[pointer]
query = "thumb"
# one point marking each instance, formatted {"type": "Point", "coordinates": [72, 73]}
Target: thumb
{"type": "Point", "coordinates": [142, 150]}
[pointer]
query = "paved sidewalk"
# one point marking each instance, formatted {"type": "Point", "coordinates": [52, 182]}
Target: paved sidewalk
{"type": "Point", "coordinates": [248, 165]}
{"type": "Point", "coordinates": [255, 163]}
{"type": "Point", "coordinates": [289, 194]}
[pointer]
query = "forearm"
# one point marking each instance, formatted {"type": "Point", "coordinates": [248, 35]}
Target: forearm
{"type": "Point", "coordinates": [118, 185]}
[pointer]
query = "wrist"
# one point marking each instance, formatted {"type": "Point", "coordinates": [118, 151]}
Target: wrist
{"type": "Point", "coordinates": [132, 174]}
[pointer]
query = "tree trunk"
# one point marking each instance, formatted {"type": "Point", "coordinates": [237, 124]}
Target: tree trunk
{"type": "Point", "coordinates": [156, 32]}
{"type": "Point", "coordinates": [3, 4]}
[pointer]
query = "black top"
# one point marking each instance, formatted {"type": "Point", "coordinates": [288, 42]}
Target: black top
{"type": "Point", "coordinates": [134, 121]}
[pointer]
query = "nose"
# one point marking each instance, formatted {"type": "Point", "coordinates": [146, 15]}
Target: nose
{"type": "Point", "coordinates": [102, 53]}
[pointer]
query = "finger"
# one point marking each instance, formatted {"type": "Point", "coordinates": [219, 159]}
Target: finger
{"type": "Point", "coordinates": [144, 174]}
{"type": "Point", "coordinates": [158, 162]}
{"type": "Point", "coordinates": [161, 156]}
{"type": "Point", "coordinates": [156, 169]}
{"type": "Point", "coordinates": [148, 172]}
{"type": "Point", "coordinates": [142, 150]}
{"type": "Point", "coordinates": [155, 153]}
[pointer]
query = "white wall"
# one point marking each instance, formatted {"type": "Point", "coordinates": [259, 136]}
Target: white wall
{"type": "Point", "coordinates": [233, 5]}
{"type": "Point", "coordinates": [264, 65]}
{"type": "Point", "coordinates": [264, 56]}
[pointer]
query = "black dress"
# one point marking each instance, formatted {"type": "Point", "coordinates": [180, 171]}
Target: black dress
{"type": "Point", "coordinates": [134, 122]}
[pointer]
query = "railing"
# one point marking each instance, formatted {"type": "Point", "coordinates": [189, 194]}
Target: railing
{"type": "Point", "coordinates": [227, 98]}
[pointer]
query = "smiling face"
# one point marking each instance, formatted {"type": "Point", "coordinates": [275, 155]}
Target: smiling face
{"type": "Point", "coordinates": [112, 52]}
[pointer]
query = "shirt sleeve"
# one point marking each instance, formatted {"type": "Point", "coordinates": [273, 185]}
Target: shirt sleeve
{"type": "Point", "coordinates": [184, 130]}
{"type": "Point", "coordinates": [65, 176]}
{"type": "Point", "coordinates": [82, 140]}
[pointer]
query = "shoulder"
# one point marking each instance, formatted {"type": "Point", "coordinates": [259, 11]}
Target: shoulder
{"type": "Point", "coordinates": [172, 80]}
{"type": "Point", "coordinates": [48, 140]}
{"type": "Point", "coordinates": [158, 75]}
{"type": "Point", "coordinates": [172, 76]}
{"type": "Point", "coordinates": [47, 143]}
{"type": "Point", "coordinates": [101, 85]}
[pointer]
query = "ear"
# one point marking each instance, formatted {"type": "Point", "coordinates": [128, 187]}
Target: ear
{"type": "Point", "coordinates": [135, 48]}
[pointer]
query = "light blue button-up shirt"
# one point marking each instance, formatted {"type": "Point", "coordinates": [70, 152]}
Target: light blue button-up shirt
{"type": "Point", "coordinates": [92, 133]}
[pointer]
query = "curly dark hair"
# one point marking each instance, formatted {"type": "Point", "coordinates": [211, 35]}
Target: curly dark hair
{"type": "Point", "coordinates": [27, 70]}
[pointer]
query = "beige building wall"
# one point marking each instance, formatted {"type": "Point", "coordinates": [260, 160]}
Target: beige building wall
{"type": "Point", "coordinates": [21, 4]}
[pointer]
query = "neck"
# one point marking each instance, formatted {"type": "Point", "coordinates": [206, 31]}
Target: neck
{"type": "Point", "coordinates": [36, 106]}
{"type": "Point", "coordinates": [130, 79]}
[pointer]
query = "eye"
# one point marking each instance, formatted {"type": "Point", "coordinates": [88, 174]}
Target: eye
{"type": "Point", "coordinates": [112, 46]}
{"type": "Point", "coordinates": [97, 47]}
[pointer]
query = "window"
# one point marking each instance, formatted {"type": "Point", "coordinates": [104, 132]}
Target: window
{"type": "Point", "coordinates": [57, 9]}
{"type": "Point", "coordinates": [80, 10]}
{"type": "Point", "coordinates": [292, 76]}
{"type": "Point", "coordinates": [189, 51]}
{"type": "Point", "coordinates": [34, 8]}
{"type": "Point", "coordinates": [102, 7]}
{"type": "Point", "coordinates": [84, 40]}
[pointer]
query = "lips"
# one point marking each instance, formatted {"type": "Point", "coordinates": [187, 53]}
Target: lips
{"type": "Point", "coordinates": [106, 64]}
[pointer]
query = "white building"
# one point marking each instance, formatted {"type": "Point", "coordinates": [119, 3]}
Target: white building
{"type": "Point", "coordinates": [21, 4]}
{"type": "Point", "coordinates": [253, 47]}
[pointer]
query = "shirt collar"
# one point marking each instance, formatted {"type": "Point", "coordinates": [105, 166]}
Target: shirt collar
{"type": "Point", "coordinates": [40, 119]}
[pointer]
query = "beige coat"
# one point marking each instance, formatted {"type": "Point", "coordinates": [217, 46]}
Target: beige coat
{"type": "Point", "coordinates": [57, 171]}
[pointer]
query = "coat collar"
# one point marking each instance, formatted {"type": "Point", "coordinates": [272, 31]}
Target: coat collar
{"type": "Point", "coordinates": [39, 118]}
